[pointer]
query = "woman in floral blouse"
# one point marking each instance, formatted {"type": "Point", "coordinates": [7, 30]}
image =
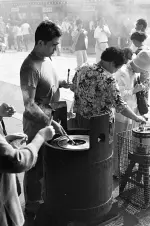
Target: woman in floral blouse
{"type": "Point", "coordinates": [96, 91]}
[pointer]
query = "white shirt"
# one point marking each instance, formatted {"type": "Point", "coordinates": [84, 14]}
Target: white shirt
{"type": "Point", "coordinates": [102, 35]}
{"type": "Point", "coordinates": [15, 31]}
{"type": "Point", "coordinates": [65, 26]}
{"type": "Point", "coordinates": [125, 79]}
{"type": "Point", "coordinates": [25, 29]}
{"type": "Point", "coordinates": [19, 31]}
{"type": "Point", "coordinates": [147, 41]}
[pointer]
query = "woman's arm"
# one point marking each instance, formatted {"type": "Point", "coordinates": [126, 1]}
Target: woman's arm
{"type": "Point", "coordinates": [120, 105]}
{"type": "Point", "coordinates": [19, 160]}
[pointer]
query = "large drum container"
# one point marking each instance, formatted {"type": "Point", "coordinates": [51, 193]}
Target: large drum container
{"type": "Point", "coordinates": [78, 178]}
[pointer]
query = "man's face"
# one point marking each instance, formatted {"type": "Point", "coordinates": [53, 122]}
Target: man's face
{"type": "Point", "coordinates": [138, 27]}
{"type": "Point", "coordinates": [113, 68]}
{"type": "Point", "coordinates": [136, 43]}
{"type": "Point", "coordinates": [50, 47]}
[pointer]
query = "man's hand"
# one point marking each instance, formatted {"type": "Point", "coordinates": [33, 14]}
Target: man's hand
{"type": "Point", "coordinates": [47, 133]}
{"type": "Point", "coordinates": [6, 110]}
{"type": "Point", "coordinates": [58, 128]}
{"type": "Point", "coordinates": [64, 84]}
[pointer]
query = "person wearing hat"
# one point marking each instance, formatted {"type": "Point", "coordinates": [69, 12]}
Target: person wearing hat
{"type": "Point", "coordinates": [125, 78]}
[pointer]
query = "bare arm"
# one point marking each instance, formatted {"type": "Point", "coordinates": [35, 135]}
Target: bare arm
{"type": "Point", "coordinates": [32, 109]}
{"type": "Point", "coordinates": [29, 79]}
{"type": "Point", "coordinates": [127, 112]}
{"type": "Point", "coordinates": [120, 105]}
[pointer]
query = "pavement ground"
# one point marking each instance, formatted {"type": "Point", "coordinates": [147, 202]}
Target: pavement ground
{"type": "Point", "coordinates": [10, 63]}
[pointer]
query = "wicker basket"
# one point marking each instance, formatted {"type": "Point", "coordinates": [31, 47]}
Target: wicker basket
{"type": "Point", "coordinates": [134, 176]}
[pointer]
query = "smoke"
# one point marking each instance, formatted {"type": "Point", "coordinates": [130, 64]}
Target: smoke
{"type": "Point", "coordinates": [115, 13]}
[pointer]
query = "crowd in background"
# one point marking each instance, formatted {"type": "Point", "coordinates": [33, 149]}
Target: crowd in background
{"type": "Point", "coordinates": [12, 33]}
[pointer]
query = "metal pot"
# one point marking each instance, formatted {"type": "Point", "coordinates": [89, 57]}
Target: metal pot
{"type": "Point", "coordinates": [141, 139]}
{"type": "Point", "coordinates": [62, 142]}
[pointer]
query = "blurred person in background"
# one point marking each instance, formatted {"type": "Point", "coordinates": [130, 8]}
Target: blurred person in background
{"type": "Point", "coordinates": [80, 43]}
{"type": "Point", "coordinates": [26, 31]}
{"type": "Point", "coordinates": [124, 36]}
{"type": "Point", "coordinates": [141, 26]}
{"type": "Point", "coordinates": [19, 37]}
{"type": "Point", "coordinates": [2, 28]}
{"type": "Point", "coordinates": [91, 39]}
{"type": "Point", "coordinates": [15, 36]}
{"type": "Point", "coordinates": [101, 35]}
{"type": "Point", "coordinates": [10, 35]}
{"type": "Point", "coordinates": [66, 26]}
{"type": "Point", "coordinates": [138, 39]}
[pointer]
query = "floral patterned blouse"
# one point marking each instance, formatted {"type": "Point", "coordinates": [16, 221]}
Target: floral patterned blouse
{"type": "Point", "coordinates": [96, 92]}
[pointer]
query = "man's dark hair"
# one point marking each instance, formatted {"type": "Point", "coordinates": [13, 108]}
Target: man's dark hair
{"type": "Point", "coordinates": [47, 31]}
{"type": "Point", "coordinates": [115, 55]}
{"type": "Point", "coordinates": [142, 22]}
{"type": "Point", "coordinates": [138, 36]}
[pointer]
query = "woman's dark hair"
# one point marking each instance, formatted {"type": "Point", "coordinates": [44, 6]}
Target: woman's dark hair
{"type": "Point", "coordinates": [47, 31]}
{"type": "Point", "coordinates": [142, 22]}
{"type": "Point", "coordinates": [127, 52]}
{"type": "Point", "coordinates": [138, 36]}
{"type": "Point", "coordinates": [115, 55]}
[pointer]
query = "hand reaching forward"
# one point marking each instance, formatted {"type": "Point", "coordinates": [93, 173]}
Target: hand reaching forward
{"type": "Point", "coordinates": [6, 110]}
{"type": "Point", "coordinates": [141, 119]}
